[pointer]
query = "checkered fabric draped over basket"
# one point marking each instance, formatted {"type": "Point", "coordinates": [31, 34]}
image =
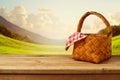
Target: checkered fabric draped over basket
{"type": "Point", "coordinates": [93, 47]}
{"type": "Point", "coordinates": [74, 38]}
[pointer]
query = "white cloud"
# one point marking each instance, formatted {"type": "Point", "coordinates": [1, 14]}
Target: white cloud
{"type": "Point", "coordinates": [48, 24]}
{"type": "Point", "coordinates": [18, 16]}
{"type": "Point", "coordinates": [45, 22]}
{"type": "Point", "coordinates": [46, 10]}
{"type": "Point", "coordinates": [114, 18]}
{"type": "Point", "coordinates": [3, 12]}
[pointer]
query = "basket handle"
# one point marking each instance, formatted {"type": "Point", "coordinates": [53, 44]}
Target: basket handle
{"type": "Point", "coordinates": [97, 14]}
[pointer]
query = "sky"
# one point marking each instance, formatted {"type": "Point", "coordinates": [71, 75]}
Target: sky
{"type": "Point", "coordinates": [57, 19]}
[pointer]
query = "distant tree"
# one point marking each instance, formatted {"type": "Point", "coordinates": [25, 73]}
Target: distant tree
{"type": "Point", "coordinates": [4, 31]}
{"type": "Point", "coordinates": [115, 30]}
{"type": "Point", "coordinates": [102, 31]}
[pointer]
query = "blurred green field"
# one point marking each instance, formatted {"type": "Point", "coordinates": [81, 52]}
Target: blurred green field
{"type": "Point", "coordinates": [116, 45]}
{"type": "Point", "coordinates": [12, 46]}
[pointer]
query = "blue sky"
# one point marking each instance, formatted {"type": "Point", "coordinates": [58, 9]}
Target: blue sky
{"type": "Point", "coordinates": [68, 11]}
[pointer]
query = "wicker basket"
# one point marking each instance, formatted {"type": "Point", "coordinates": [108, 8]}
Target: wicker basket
{"type": "Point", "coordinates": [95, 47]}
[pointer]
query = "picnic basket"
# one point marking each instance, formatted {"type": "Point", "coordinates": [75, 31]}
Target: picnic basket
{"type": "Point", "coordinates": [95, 47]}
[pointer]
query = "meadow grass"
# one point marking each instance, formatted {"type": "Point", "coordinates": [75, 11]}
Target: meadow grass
{"type": "Point", "coordinates": [116, 45]}
{"type": "Point", "coordinates": [12, 46]}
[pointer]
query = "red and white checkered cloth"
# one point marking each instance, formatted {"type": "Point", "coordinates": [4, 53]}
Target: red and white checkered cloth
{"type": "Point", "coordinates": [74, 38]}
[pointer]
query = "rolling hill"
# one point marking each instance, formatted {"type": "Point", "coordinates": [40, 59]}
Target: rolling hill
{"type": "Point", "coordinates": [4, 31]}
{"type": "Point", "coordinates": [37, 38]}
{"type": "Point", "coordinates": [12, 46]}
{"type": "Point", "coordinates": [8, 45]}
{"type": "Point", "coordinates": [116, 45]}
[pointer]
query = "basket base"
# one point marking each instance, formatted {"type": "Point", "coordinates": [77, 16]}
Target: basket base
{"type": "Point", "coordinates": [97, 61]}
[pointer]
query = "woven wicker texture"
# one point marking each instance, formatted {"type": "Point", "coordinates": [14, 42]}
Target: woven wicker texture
{"type": "Point", "coordinates": [96, 47]}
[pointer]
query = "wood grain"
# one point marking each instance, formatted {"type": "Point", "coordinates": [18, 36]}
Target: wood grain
{"type": "Point", "coordinates": [59, 77]}
{"type": "Point", "coordinates": [51, 64]}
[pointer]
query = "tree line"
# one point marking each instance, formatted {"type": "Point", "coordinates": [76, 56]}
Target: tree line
{"type": "Point", "coordinates": [4, 31]}
{"type": "Point", "coordinates": [115, 30]}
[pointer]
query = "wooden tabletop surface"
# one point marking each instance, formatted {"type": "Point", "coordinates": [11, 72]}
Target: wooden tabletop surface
{"type": "Point", "coordinates": [51, 64]}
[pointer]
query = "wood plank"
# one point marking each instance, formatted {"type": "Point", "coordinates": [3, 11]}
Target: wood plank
{"type": "Point", "coordinates": [60, 77]}
{"type": "Point", "coordinates": [50, 64]}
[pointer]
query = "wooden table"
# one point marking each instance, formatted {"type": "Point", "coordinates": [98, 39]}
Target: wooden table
{"type": "Point", "coordinates": [38, 67]}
